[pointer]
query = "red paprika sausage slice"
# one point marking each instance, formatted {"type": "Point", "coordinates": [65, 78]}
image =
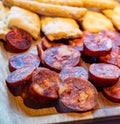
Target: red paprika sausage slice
{"type": "Point", "coordinates": [20, 75]}
{"type": "Point", "coordinates": [78, 43]}
{"type": "Point", "coordinates": [28, 98]}
{"type": "Point", "coordinates": [19, 61]}
{"type": "Point", "coordinates": [58, 57]}
{"type": "Point", "coordinates": [113, 93]}
{"type": "Point", "coordinates": [45, 43]}
{"type": "Point", "coordinates": [113, 35]}
{"type": "Point", "coordinates": [103, 74]}
{"type": "Point", "coordinates": [78, 94]}
{"type": "Point", "coordinates": [44, 85]}
{"type": "Point", "coordinates": [97, 45]}
{"type": "Point", "coordinates": [77, 71]}
{"type": "Point", "coordinates": [18, 39]}
{"type": "Point", "coordinates": [113, 57]}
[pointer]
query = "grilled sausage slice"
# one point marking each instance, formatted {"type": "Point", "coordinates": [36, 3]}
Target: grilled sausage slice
{"type": "Point", "coordinates": [58, 57]}
{"type": "Point", "coordinates": [113, 93]}
{"type": "Point", "coordinates": [77, 71]}
{"type": "Point", "coordinates": [97, 45]}
{"type": "Point", "coordinates": [44, 86]}
{"type": "Point", "coordinates": [77, 94]}
{"type": "Point", "coordinates": [19, 61]}
{"type": "Point", "coordinates": [102, 74]}
{"type": "Point", "coordinates": [18, 40]}
{"type": "Point", "coordinates": [20, 75]}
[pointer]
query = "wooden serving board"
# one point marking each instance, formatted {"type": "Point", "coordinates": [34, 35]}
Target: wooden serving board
{"type": "Point", "coordinates": [13, 111]}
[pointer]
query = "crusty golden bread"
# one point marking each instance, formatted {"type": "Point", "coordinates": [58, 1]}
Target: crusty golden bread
{"type": "Point", "coordinates": [57, 28]}
{"type": "Point", "coordinates": [95, 22]}
{"type": "Point", "coordinates": [114, 17]}
{"type": "Point", "coordinates": [117, 9]}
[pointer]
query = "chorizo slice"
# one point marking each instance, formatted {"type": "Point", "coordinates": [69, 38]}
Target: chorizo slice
{"type": "Point", "coordinates": [20, 75]}
{"type": "Point", "coordinates": [113, 35]}
{"type": "Point", "coordinates": [113, 57]}
{"type": "Point", "coordinates": [58, 57]}
{"type": "Point", "coordinates": [19, 61]}
{"type": "Point", "coordinates": [40, 53]}
{"type": "Point", "coordinates": [77, 94]}
{"type": "Point", "coordinates": [77, 71]}
{"type": "Point", "coordinates": [18, 39]}
{"type": "Point", "coordinates": [28, 98]}
{"type": "Point", "coordinates": [78, 42]}
{"type": "Point", "coordinates": [113, 93]}
{"type": "Point", "coordinates": [97, 45]}
{"type": "Point", "coordinates": [103, 75]}
{"type": "Point", "coordinates": [45, 43]}
{"type": "Point", "coordinates": [44, 86]}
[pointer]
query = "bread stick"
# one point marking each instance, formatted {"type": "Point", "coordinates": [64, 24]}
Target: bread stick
{"type": "Point", "coordinates": [76, 3]}
{"type": "Point", "coordinates": [48, 9]}
{"type": "Point", "coordinates": [100, 4]}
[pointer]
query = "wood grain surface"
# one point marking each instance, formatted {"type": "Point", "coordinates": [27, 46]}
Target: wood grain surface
{"type": "Point", "coordinates": [13, 111]}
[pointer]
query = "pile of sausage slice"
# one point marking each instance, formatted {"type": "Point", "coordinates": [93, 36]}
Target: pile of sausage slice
{"type": "Point", "coordinates": [55, 77]}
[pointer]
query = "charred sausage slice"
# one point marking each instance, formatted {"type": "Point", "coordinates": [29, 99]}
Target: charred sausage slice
{"type": "Point", "coordinates": [58, 57]}
{"type": "Point", "coordinates": [18, 39]}
{"type": "Point", "coordinates": [77, 94]}
{"type": "Point", "coordinates": [19, 61]}
{"type": "Point", "coordinates": [44, 85]}
{"type": "Point", "coordinates": [20, 75]}
{"type": "Point", "coordinates": [97, 45]}
{"type": "Point", "coordinates": [103, 74]}
{"type": "Point", "coordinates": [77, 71]}
{"type": "Point", "coordinates": [113, 93]}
